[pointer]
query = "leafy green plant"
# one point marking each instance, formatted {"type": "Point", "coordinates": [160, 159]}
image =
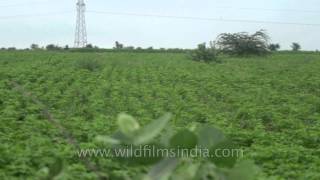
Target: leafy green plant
{"type": "Point", "coordinates": [89, 64]}
{"type": "Point", "coordinates": [55, 169]}
{"type": "Point", "coordinates": [270, 108]}
{"type": "Point", "coordinates": [173, 166]}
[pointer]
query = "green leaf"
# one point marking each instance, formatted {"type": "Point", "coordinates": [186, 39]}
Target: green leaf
{"type": "Point", "coordinates": [166, 135]}
{"type": "Point", "coordinates": [208, 171]}
{"type": "Point", "coordinates": [184, 139]}
{"type": "Point", "coordinates": [55, 169]}
{"type": "Point", "coordinates": [138, 155]}
{"type": "Point", "coordinates": [127, 124]}
{"type": "Point", "coordinates": [162, 170]}
{"type": "Point", "coordinates": [108, 140]}
{"type": "Point", "coordinates": [209, 136]}
{"type": "Point", "coordinates": [244, 170]}
{"type": "Point", "coordinates": [225, 154]}
{"type": "Point", "coordinates": [187, 171]}
{"type": "Point", "coordinates": [124, 139]}
{"type": "Point", "coordinates": [152, 130]}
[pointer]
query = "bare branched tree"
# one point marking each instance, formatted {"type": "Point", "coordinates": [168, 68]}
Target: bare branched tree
{"type": "Point", "coordinates": [243, 44]}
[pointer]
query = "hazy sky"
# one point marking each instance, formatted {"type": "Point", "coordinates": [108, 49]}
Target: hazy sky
{"type": "Point", "coordinates": [18, 28]}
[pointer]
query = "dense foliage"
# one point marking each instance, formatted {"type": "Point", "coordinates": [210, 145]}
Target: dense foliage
{"type": "Point", "coordinates": [274, 47]}
{"type": "Point", "coordinates": [52, 47]}
{"type": "Point", "coordinates": [169, 165]}
{"type": "Point", "coordinates": [268, 106]}
{"type": "Point", "coordinates": [296, 46]}
{"type": "Point", "coordinates": [205, 54]}
{"type": "Point", "coordinates": [244, 44]}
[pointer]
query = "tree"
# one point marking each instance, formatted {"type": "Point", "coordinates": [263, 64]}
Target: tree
{"type": "Point", "coordinates": [274, 47]}
{"type": "Point", "coordinates": [89, 46]}
{"type": "Point", "coordinates": [66, 47]}
{"type": "Point", "coordinates": [52, 47]}
{"type": "Point", "coordinates": [34, 46]}
{"type": "Point", "coordinates": [296, 46]}
{"type": "Point", "coordinates": [243, 44]}
{"type": "Point", "coordinates": [12, 48]}
{"type": "Point", "coordinates": [118, 45]}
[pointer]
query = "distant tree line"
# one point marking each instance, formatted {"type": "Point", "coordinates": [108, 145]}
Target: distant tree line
{"type": "Point", "coordinates": [235, 44]}
{"type": "Point", "coordinates": [8, 49]}
{"type": "Point", "coordinates": [119, 47]}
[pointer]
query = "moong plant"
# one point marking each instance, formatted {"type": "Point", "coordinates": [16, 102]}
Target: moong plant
{"type": "Point", "coordinates": [174, 165]}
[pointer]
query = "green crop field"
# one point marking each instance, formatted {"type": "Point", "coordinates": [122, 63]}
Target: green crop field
{"type": "Point", "coordinates": [269, 106]}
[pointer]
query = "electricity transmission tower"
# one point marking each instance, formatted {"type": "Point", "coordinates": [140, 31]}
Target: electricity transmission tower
{"type": "Point", "coordinates": [81, 32]}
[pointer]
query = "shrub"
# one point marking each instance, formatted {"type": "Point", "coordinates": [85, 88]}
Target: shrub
{"type": "Point", "coordinates": [296, 46]}
{"type": "Point", "coordinates": [205, 54]}
{"type": "Point", "coordinates": [243, 44]}
{"type": "Point", "coordinates": [34, 47]}
{"type": "Point", "coordinates": [89, 46]}
{"type": "Point", "coordinates": [52, 47]}
{"type": "Point", "coordinates": [274, 47]}
{"type": "Point", "coordinates": [12, 48]}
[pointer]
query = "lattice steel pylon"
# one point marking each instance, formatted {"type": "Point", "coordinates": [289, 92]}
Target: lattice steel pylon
{"type": "Point", "coordinates": [81, 31]}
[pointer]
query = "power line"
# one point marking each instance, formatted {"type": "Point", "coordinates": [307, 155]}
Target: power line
{"type": "Point", "coordinates": [35, 15]}
{"type": "Point", "coordinates": [167, 16]}
{"type": "Point", "coordinates": [33, 3]}
{"type": "Point", "coordinates": [202, 18]}
{"type": "Point", "coordinates": [272, 10]}
{"type": "Point", "coordinates": [227, 7]}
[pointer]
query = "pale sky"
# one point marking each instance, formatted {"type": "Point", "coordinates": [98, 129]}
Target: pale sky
{"type": "Point", "coordinates": [19, 29]}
